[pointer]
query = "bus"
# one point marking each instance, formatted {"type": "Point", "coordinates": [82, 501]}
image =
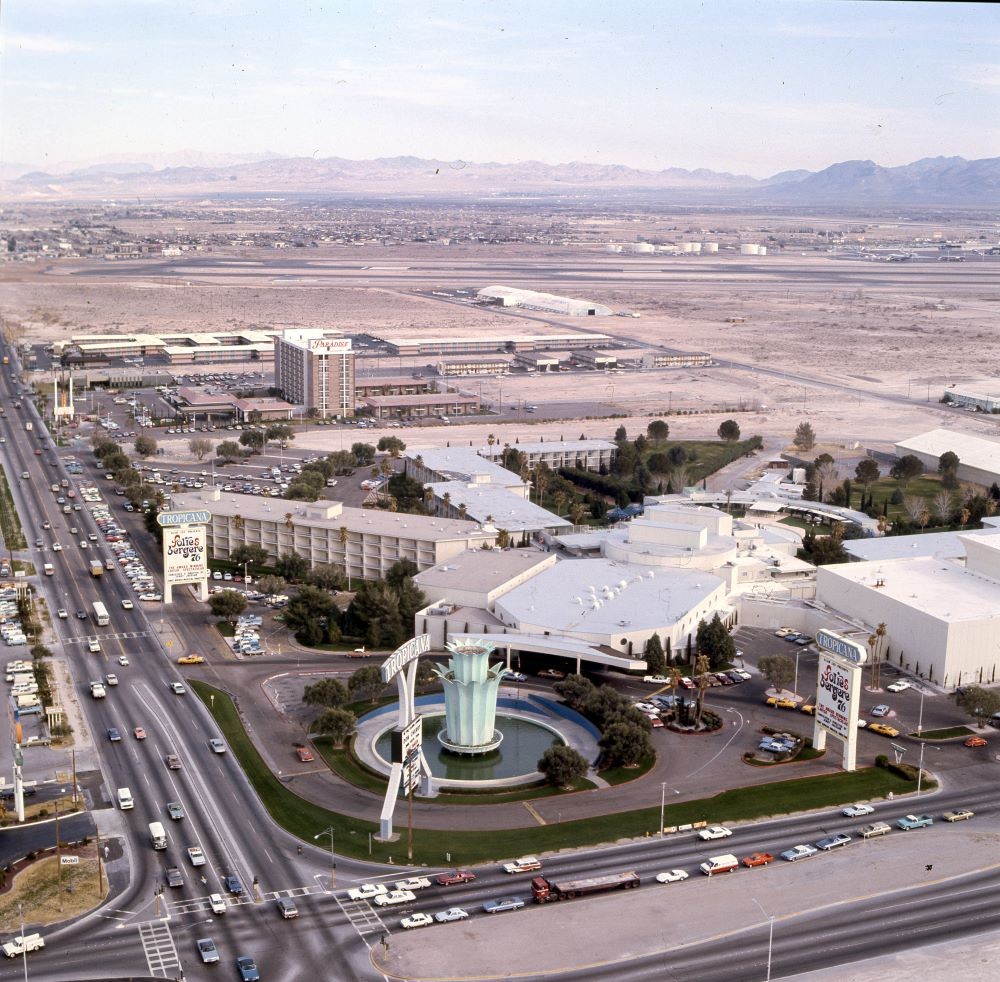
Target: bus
{"type": "Point", "coordinates": [101, 614]}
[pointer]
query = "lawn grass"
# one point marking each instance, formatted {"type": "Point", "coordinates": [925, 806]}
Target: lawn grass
{"type": "Point", "coordinates": [304, 819]}
{"type": "Point", "coordinates": [620, 775]}
{"type": "Point", "coordinates": [705, 457]}
{"type": "Point", "coordinates": [948, 733]}
{"type": "Point", "coordinates": [10, 523]}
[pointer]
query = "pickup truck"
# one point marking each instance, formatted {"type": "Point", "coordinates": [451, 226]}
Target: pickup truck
{"type": "Point", "coordinates": [908, 822]}
{"type": "Point", "coordinates": [23, 943]}
{"type": "Point", "coordinates": [799, 852]}
{"type": "Point", "coordinates": [97, 690]}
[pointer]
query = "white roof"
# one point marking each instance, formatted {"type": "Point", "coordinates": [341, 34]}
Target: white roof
{"type": "Point", "coordinates": [483, 570]}
{"type": "Point", "coordinates": [973, 451]}
{"type": "Point", "coordinates": [371, 521]}
{"type": "Point", "coordinates": [933, 587]}
{"type": "Point", "coordinates": [506, 510]}
{"type": "Point", "coordinates": [462, 463]}
{"type": "Point", "coordinates": [560, 598]}
{"type": "Point", "coordinates": [940, 545]}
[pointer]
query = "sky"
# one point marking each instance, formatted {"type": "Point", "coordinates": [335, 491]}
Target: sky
{"type": "Point", "coordinates": [749, 87]}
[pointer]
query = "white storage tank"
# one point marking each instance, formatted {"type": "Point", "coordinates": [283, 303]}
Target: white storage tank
{"type": "Point", "coordinates": [762, 250]}
{"type": "Point", "coordinates": [798, 475]}
{"type": "Point", "coordinates": [710, 247]}
{"type": "Point", "coordinates": [749, 249]}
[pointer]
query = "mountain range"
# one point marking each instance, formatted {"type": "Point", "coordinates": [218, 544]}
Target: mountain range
{"type": "Point", "coordinates": [931, 180]}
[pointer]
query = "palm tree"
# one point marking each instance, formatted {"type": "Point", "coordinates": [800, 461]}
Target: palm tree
{"type": "Point", "coordinates": [342, 534]}
{"type": "Point", "coordinates": [237, 521]}
{"type": "Point", "coordinates": [462, 510]}
{"type": "Point", "coordinates": [288, 519]}
{"type": "Point", "coordinates": [446, 501]}
{"type": "Point", "coordinates": [559, 500]}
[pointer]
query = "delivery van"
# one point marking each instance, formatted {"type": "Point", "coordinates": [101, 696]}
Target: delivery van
{"type": "Point", "coordinates": [719, 864]}
{"type": "Point", "coordinates": [157, 835]}
{"type": "Point", "coordinates": [125, 799]}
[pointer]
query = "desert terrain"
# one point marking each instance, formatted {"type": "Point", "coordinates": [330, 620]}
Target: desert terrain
{"type": "Point", "coordinates": [863, 349]}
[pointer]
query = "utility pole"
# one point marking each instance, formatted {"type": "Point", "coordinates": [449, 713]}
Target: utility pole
{"type": "Point", "coordinates": [100, 871]}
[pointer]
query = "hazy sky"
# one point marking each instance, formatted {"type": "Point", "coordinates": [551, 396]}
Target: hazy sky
{"type": "Point", "coordinates": [749, 87]}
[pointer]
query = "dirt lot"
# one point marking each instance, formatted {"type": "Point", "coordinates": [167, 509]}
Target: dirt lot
{"type": "Point", "coordinates": [812, 320]}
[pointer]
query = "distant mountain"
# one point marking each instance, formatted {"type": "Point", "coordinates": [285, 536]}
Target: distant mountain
{"type": "Point", "coordinates": [939, 180]}
{"type": "Point", "coordinates": [951, 180]}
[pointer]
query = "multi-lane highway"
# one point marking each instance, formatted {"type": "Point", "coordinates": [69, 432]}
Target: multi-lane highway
{"type": "Point", "coordinates": [138, 933]}
{"type": "Point", "coordinates": [223, 815]}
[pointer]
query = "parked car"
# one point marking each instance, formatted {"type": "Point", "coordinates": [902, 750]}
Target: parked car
{"type": "Point", "coordinates": [416, 920]}
{"type": "Point", "coordinates": [958, 815]}
{"type": "Point", "coordinates": [503, 904]}
{"type": "Point", "coordinates": [451, 914]}
{"type": "Point", "coordinates": [799, 852]}
{"type": "Point", "coordinates": [908, 822]}
{"type": "Point", "coordinates": [758, 859]}
{"type": "Point", "coordinates": [876, 828]}
{"type": "Point", "coordinates": [834, 841]}
{"type": "Point", "coordinates": [671, 876]}
{"type": "Point", "coordinates": [656, 679]}
{"type": "Point", "coordinates": [551, 673]}
{"type": "Point", "coordinates": [898, 686]}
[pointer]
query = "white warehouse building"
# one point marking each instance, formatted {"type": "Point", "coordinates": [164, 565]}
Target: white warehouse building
{"type": "Point", "coordinates": [942, 617]}
{"type": "Point", "coordinates": [979, 458]}
{"type": "Point", "coordinates": [508, 296]}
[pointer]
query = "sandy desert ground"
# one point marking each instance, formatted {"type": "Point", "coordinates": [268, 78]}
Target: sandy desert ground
{"type": "Point", "coordinates": [863, 350]}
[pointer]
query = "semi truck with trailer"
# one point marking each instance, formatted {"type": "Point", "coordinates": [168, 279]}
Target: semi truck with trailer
{"type": "Point", "coordinates": [544, 890]}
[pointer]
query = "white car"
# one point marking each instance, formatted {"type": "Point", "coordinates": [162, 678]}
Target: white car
{"type": "Point", "coordinates": [367, 891]}
{"type": "Point", "coordinates": [56, 547]}
{"type": "Point", "coordinates": [111, 679]}
{"type": "Point", "coordinates": [855, 811]}
{"type": "Point", "coordinates": [416, 920]}
{"type": "Point", "coordinates": [127, 605]}
{"type": "Point", "coordinates": [413, 883]}
{"type": "Point", "coordinates": [451, 914]}
{"type": "Point", "coordinates": [394, 897]}
{"type": "Point", "coordinates": [217, 902]}
{"type": "Point", "coordinates": [671, 876]}
{"type": "Point", "coordinates": [645, 707]}
{"type": "Point", "coordinates": [899, 686]}
{"type": "Point", "coordinates": [63, 614]}
{"type": "Point", "coordinates": [123, 661]}
{"type": "Point", "coordinates": [656, 679]}
{"type": "Point", "coordinates": [196, 856]}
{"type": "Point", "coordinates": [715, 832]}
{"type": "Point", "coordinates": [94, 645]}
{"type": "Point", "coordinates": [526, 864]}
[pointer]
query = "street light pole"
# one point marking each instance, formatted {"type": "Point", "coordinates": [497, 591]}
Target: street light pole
{"type": "Point", "coordinates": [663, 802]}
{"type": "Point", "coordinates": [333, 858]}
{"type": "Point", "coordinates": [920, 767]}
{"type": "Point", "coordinates": [920, 719]}
{"type": "Point", "coordinates": [770, 936]}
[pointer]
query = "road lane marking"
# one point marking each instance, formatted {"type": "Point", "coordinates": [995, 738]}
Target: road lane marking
{"type": "Point", "coordinates": [534, 814]}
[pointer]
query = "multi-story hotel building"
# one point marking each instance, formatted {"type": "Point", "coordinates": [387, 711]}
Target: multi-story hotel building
{"type": "Point", "coordinates": [315, 369]}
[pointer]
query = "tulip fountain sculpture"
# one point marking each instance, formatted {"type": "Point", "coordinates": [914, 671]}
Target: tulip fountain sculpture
{"type": "Point", "coordinates": [470, 697]}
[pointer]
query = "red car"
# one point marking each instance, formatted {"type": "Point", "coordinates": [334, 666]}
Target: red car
{"type": "Point", "coordinates": [458, 876]}
{"type": "Point", "coordinates": [758, 859]}
{"type": "Point", "coordinates": [304, 754]}
{"type": "Point", "coordinates": [975, 741]}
